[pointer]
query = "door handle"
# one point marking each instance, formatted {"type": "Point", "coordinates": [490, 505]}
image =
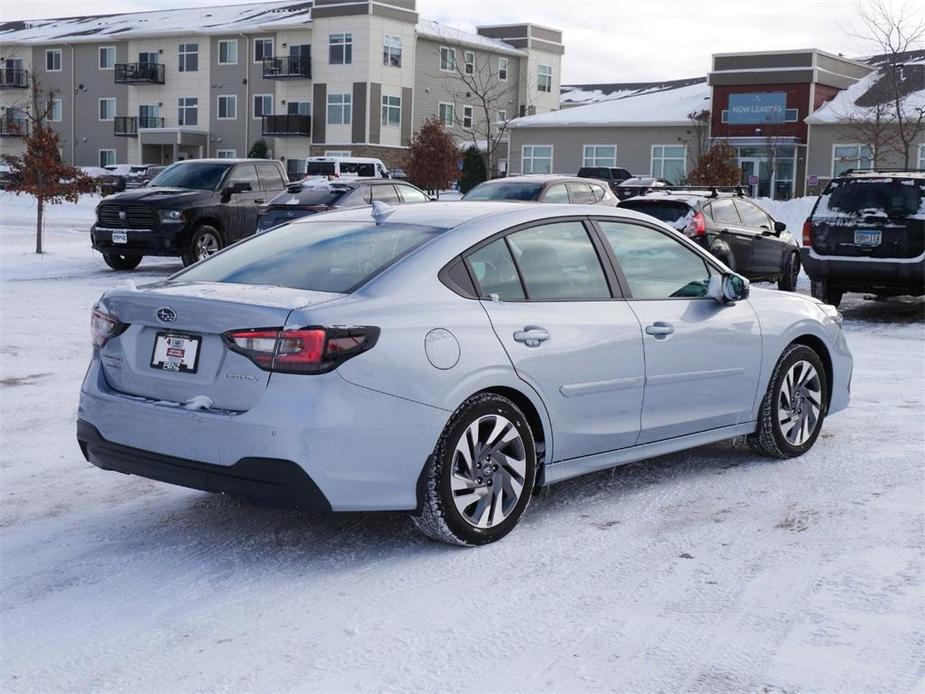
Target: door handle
{"type": "Point", "coordinates": [258, 202]}
{"type": "Point", "coordinates": [660, 330]}
{"type": "Point", "coordinates": [531, 336]}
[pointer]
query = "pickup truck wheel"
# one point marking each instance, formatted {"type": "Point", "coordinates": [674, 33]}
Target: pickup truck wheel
{"type": "Point", "coordinates": [205, 241]}
{"type": "Point", "coordinates": [122, 262]}
{"type": "Point", "coordinates": [788, 280]}
{"type": "Point", "coordinates": [821, 290]}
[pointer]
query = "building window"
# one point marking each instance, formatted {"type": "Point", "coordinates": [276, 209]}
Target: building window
{"type": "Point", "coordinates": [107, 57]}
{"type": "Point", "coordinates": [188, 55]}
{"type": "Point", "coordinates": [340, 49]}
{"type": "Point", "coordinates": [921, 165]}
{"type": "Point", "coordinates": [668, 162]}
{"type": "Point", "coordinates": [107, 157]}
{"type": "Point", "coordinates": [502, 116]}
{"type": "Point", "coordinates": [467, 117]}
{"type": "Point", "coordinates": [544, 78]}
{"type": "Point", "coordinates": [600, 155]}
{"type": "Point", "coordinates": [339, 106]}
{"type": "Point", "coordinates": [391, 110]}
{"type": "Point", "coordinates": [299, 108]}
{"type": "Point", "coordinates": [188, 110]}
{"type": "Point", "coordinates": [108, 108]}
{"type": "Point", "coordinates": [502, 69]}
{"type": "Point", "coordinates": [337, 153]}
{"type": "Point", "coordinates": [263, 105]}
{"type": "Point", "coordinates": [53, 60]}
{"type": "Point", "coordinates": [854, 156]}
{"type": "Point", "coordinates": [148, 58]}
{"type": "Point", "coordinates": [537, 159]}
{"type": "Point", "coordinates": [469, 62]}
{"type": "Point", "coordinates": [447, 59]}
{"type": "Point", "coordinates": [228, 107]}
{"type": "Point", "coordinates": [226, 154]}
{"type": "Point", "coordinates": [228, 52]}
{"type": "Point", "coordinates": [56, 115]}
{"type": "Point", "coordinates": [446, 114]}
{"type": "Point", "coordinates": [149, 116]}
{"type": "Point", "coordinates": [391, 50]}
{"type": "Point", "coordinates": [263, 49]}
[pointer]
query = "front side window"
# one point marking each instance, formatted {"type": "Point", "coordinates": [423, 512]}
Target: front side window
{"type": "Point", "coordinates": [107, 57]}
{"type": "Point", "coordinates": [656, 266]}
{"type": "Point", "coordinates": [108, 109]}
{"type": "Point", "coordinates": [503, 64]}
{"type": "Point", "coordinates": [411, 194]}
{"type": "Point", "coordinates": [845, 157]}
{"type": "Point", "coordinates": [537, 159]}
{"type": "Point", "coordinates": [188, 110]}
{"type": "Point", "coordinates": [245, 175]}
{"type": "Point", "coordinates": [544, 78]}
{"type": "Point", "coordinates": [391, 50]}
{"type": "Point", "coordinates": [188, 54]}
{"type": "Point", "coordinates": [270, 177]}
{"type": "Point", "coordinates": [447, 59]}
{"type": "Point", "coordinates": [600, 155]}
{"type": "Point", "coordinates": [340, 49]}
{"type": "Point", "coordinates": [469, 62]}
{"type": "Point", "coordinates": [446, 114]}
{"type": "Point", "coordinates": [107, 157]}
{"type": "Point", "coordinates": [228, 52]}
{"type": "Point", "coordinates": [228, 107]}
{"type": "Point", "coordinates": [391, 110]}
{"type": "Point", "coordinates": [339, 106]}
{"type": "Point", "coordinates": [668, 162]}
{"type": "Point", "coordinates": [752, 215]}
{"type": "Point", "coordinates": [263, 49]}
{"type": "Point", "coordinates": [494, 270]}
{"type": "Point", "coordinates": [53, 60]}
{"type": "Point", "coordinates": [263, 105]}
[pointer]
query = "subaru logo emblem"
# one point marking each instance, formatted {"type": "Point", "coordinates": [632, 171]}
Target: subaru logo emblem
{"type": "Point", "coordinates": [166, 315]}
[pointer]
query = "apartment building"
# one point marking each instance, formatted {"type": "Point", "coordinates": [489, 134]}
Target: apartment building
{"type": "Point", "coordinates": [310, 78]}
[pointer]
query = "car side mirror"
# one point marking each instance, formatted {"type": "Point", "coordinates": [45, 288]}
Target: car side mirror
{"type": "Point", "coordinates": [779, 227]}
{"type": "Point", "coordinates": [728, 288]}
{"type": "Point", "coordinates": [235, 189]}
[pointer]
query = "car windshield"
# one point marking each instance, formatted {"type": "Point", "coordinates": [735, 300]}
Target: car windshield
{"type": "Point", "coordinates": [320, 168]}
{"type": "Point", "coordinates": [198, 176]}
{"type": "Point", "coordinates": [872, 196]}
{"type": "Point", "coordinates": [524, 191]}
{"type": "Point", "coordinates": [329, 257]}
{"type": "Point", "coordinates": [676, 214]}
{"type": "Point", "coordinates": [319, 195]}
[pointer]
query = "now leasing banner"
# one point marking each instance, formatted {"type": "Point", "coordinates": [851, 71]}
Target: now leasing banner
{"type": "Point", "coordinates": [765, 107]}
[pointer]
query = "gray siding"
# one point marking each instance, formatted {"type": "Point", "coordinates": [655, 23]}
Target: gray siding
{"type": "Point", "coordinates": [319, 113]}
{"type": "Point", "coordinates": [228, 80]}
{"type": "Point", "coordinates": [92, 133]}
{"type": "Point", "coordinates": [375, 101]}
{"type": "Point", "coordinates": [762, 61]}
{"type": "Point", "coordinates": [358, 121]}
{"type": "Point", "coordinates": [823, 138]}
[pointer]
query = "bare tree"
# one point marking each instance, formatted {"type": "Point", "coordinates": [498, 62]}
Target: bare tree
{"type": "Point", "coordinates": [874, 127]}
{"type": "Point", "coordinates": [697, 137]}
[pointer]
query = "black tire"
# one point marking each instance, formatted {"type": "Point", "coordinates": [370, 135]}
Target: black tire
{"type": "Point", "coordinates": [122, 262]}
{"type": "Point", "coordinates": [769, 438]}
{"type": "Point", "coordinates": [788, 280]}
{"type": "Point", "coordinates": [204, 237]}
{"type": "Point", "coordinates": [821, 290]}
{"type": "Point", "coordinates": [440, 518]}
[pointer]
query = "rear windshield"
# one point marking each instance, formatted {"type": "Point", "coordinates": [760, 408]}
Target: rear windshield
{"type": "Point", "coordinates": [320, 195]}
{"type": "Point", "coordinates": [327, 257]}
{"type": "Point", "coordinates": [674, 213]}
{"type": "Point", "coordinates": [320, 168]}
{"type": "Point", "coordinates": [505, 191]}
{"type": "Point", "coordinates": [196, 176]}
{"type": "Point", "coordinates": [894, 197]}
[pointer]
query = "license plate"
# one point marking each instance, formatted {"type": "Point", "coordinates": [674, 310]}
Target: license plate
{"type": "Point", "coordinates": [119, 237]}
{"type": "Point", "coordinates": [867, 237]}
{"type": "Point", "coordinates": [176, 352]}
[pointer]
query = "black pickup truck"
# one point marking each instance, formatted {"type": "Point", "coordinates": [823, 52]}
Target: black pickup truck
{"type": "Point", "coordinates": [613, 176]}
{"type": "Point", "coordinates": [192, 209]}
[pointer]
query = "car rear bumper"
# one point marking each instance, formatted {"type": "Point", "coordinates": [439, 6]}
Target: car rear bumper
{"type": "Point", "coordinates": [363, 450]}
{"type": "Point", "coordinates": [865, 273]}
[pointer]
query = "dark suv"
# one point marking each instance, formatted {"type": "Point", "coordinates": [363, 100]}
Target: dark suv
{"type": "Point", "coordinates": [191, 209]}
{"type": "Point", "coordinates": [734, 229]}
{"type": "Point", "coordinates": [613, 176]}
{"type": "Point", "coordinates": [866, 233]}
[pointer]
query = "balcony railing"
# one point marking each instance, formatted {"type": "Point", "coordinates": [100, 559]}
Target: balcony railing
{"type": "Point", "coordinates": [296, 67]}
{"type": "Point", "coordinates": [139, 73]}
{"type": "Point", "coordinates": [14, 127]}
{"type": "Point", "coordinates": [11, 78]}
{"type": "Point", "coordinates": [127, 126]}
{"type": "Point", "coordinates": [283, 126]}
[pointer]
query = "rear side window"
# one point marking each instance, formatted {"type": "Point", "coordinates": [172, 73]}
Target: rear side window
{"type": "Point", "coordinates": [558, 263]}
{"type": "Point", "coordinates": [270, 177]}
{"type": "Point", "coordinates": [581, 193]}
{"type": "Point", "coordinates": [505, 191]}
{"type": "Point", "coordinates": [411, 194]}
{"type": "Point", "coordinates": [385, 193]}
{"type": "Point", "coordinates": [494, 270]}
{"type": "Point", "coordinates": [724, 211]}
{"type": "Point", "coordinates": [674, 213]}
{"type": "Point", "coordinates": [320, 168]}
{"type": "Point", "coordinates": [366, 170]}
{"type": "Point", "coordinates": [751, 215]}
{"type": "Point", "coordinates": [871, 196]}
{"type": "Point", "coordinates": [556, 193]}
{"type": "Point", "coordinates": [598, 192]}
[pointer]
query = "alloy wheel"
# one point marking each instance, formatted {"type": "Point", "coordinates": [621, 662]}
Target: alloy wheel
{"type": "Point", "coordinates": [488, 472]}
{"type": "Point", "coordinates": [206, 245]}
{"type": "Point", "coordinates": [799, 403]}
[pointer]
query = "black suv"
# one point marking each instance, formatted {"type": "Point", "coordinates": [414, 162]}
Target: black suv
{"type": "Point", "coordinates": [191, 209]}
{"type": "Point", "coordinates": [613, 176]}
{"type": "Point", "coordinates": [734, 229]}
{"type": "Point", "coordinates": [866, 233]}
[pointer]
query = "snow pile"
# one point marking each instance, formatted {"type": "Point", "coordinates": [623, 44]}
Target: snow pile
{"type": "Point", "coordinates": [791, 212]}
{"type": "Point", "coordinates": [580, 94]}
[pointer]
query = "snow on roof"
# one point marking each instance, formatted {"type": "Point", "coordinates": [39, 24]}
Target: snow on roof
{"type": "Point", "coordinates": [580, 94]}
{"type": "Point", "coordinates": [441, 32]}
{"type": "Point", "coordinates": [224, 19]}
{"type": "Point", "coordinates": [647, 107]}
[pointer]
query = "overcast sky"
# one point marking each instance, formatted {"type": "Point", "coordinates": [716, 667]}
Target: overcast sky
{"type": "Point", "coordinates": [605, 40]}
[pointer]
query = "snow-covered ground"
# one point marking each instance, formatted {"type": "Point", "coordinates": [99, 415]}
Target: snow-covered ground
{"type": "Point", "coordinates": [708, 571]}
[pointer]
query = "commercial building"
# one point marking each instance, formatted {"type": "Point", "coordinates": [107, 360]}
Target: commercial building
{"type": "Point", "coordinates": [319, 77]}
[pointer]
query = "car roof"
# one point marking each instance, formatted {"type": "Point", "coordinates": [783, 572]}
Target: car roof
{"type": "Point", "coordinates": [882, 173]}
{"type": "Point", "coordinates": [542, 178]}
{"type": "Point", "coordinates": [226, 161]}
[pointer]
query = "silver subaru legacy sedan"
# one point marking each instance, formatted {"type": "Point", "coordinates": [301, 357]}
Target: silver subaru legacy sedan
{"type": "Point", "coordinates": [448, 360]}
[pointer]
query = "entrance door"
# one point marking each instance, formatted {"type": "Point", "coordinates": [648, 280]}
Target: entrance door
{"type": "Point", "coordinates": [751, 168]}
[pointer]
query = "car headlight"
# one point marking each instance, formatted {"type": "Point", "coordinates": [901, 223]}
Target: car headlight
{"type": "Point", "coordinates": [170, 215]}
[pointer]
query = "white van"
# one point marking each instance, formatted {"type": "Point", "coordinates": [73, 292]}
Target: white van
{"type": "Point", "coordinates": [345, 167]}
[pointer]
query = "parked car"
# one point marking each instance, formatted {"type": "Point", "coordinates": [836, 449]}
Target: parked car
{"type": "Point", "coordinates": [104, 181]}
{"type": "Point", "coordinates": [449, 359]}
{"type": "Point", "coordinates": [735, 229]}
{"type": "Point", "coordinates": [140, 174]}
{"type": "Point", "coordinates": [122, 176]}
{"type": "Point", "coordinates": [301, 200]}
{"type": "Point", "coordinates": [192, 209]}
{"type": "Point", "coordinates": [612, 176]}
{"type": "Point", "coordinates": [7, 177]}
{"type": "Point", "coordinates": [639, 185]}
{"type": "Point", "coordinates": [544, 188]}
{"type": "Point", "coordinates": [398, 174]}
{"type": "Point", "coordinates": [866, 233]}
{"type": "Point", "coordinates": [345, 167]}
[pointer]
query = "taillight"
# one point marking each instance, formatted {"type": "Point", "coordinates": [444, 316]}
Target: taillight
{"type": "Point", "coordinates": [807, 233]}
{"type": "Point", "coordinates": [305, 350]}
{"type": "Point", "coordinates": [104, 327]}
{"type": "Point", "coordinates": [697, 226]}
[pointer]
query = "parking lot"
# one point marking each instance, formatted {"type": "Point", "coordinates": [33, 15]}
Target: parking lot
{"type": "Point", "coordinates": [711, 569]}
